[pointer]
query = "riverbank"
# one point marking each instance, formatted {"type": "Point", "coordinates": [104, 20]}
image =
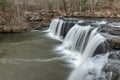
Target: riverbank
{"type": "Point", "coordinates": [39, 19]}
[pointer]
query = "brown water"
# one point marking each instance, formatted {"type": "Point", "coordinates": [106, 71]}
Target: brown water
{"type": "Point", "coordinates": [30, 56]}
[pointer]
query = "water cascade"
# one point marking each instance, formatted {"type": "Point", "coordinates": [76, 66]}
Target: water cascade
{"type": "Point", "coordinates": [82, 40]}
{"type": "Point", "coordinates": [59, 27]}
{"type": "Point", "coordinates": [77, 38]}
{"type": "Point", "coordinates": [92, 69]}
{"type": "Point", "coordinates": [55, 28]}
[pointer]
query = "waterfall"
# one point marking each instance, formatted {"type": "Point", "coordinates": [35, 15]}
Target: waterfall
{"type": "Point", "coordinates": [91, 69]}
{"type": "Point", "coordinates": [55, 28]}
{"type": "Point", "coordinates": [82, 39]}
{"type": "Point", "coordinates": [81, 42]}
{"type": "Point", "coordinates": [92, 45]}
{"type": "Point", "coordinates": [59, 27]}
{"type": "Point", "coordinates": [77, 38]}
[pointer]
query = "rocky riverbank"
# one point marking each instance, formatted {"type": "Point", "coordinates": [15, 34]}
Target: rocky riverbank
{"type": "Point", "coordinates": [30, 21]}
{"type": "Point", "coordinates": [39, 19]}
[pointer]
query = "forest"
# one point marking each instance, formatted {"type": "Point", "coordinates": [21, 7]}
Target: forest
{"type": "Point", "coordinates": [13, 12]}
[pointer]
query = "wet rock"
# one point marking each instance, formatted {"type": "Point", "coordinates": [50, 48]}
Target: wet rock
{"type": "Point", "coordinates": [105, 28]}
{"type": "Point", "coordinates": [117, 40]}
{"type": "Point", "coordinates": [113, 67]}
{"type": "Point", "coordinates": [115, 43]}
{"type": "Point", "coordinates": [102, 48]}
{"type": "Point", "coordinates": [118, 78]}
{"type": "Point", "coordinates": [115, 55]}
{"type": "Point", "coordinates": [67, 25]}
{"type": "Point", "coordinates": [112, 33]}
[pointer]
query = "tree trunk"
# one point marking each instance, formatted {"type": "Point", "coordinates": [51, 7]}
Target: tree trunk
{"type": "Point", "coordinates": [64, 4]}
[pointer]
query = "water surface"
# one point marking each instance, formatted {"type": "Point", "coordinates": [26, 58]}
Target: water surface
{"type": "Point", "coordinates": [30, 56]}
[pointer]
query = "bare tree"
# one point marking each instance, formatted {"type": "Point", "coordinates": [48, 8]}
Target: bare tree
{"type": "Point", "coordinates": [65, 8]}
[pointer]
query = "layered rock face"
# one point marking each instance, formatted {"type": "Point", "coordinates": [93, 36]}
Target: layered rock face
{"type": "Point", "coordinates": [112, 67]}
{"type": "Point", "coordinates": [67, 25]}
{"type": "Point", "coordinates": [112, 33]}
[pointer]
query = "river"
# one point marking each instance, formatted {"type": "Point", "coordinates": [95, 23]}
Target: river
{"type": "Point", "coordinates": [31, 56]}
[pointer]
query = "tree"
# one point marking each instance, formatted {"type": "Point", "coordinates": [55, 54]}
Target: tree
{"type": "Point", "coordinates": [64, 4]}
{"type": "Point", "coordinates": [84, 5]}
{"type": "Point", "coordinates": [3, 5]}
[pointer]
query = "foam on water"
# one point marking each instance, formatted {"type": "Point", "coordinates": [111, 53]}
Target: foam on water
{"type": "Point", "coordinates": [90, 69]}
{"type": "Point", "coordinates": [114, 24]}
{"type": "Point", "coordinates": [22, 60]}
{"type": "Point", "coordinates": [101, 22]}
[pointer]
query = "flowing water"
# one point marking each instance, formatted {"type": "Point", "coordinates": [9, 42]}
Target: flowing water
{"type": "Point", "coordinates": [33, 55]}
{"type": "Point", "coordinates": [59, 27]}
{"type": "Point", "coordinates": [81, 42]}
{"type": "Point", "coordinates": [30, 56]}
{"type": "Point", "coordinates": [91, 69]}
{"type": "Point", "coordinates": [55, 28]}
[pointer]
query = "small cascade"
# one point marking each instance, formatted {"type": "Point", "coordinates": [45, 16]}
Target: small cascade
{"type": "Point", "coordinates": [59, 27]}
{"type": "Point", "coordinates": [93, 44]}
{"type": "Point", "coordinates": [92, 69]}
{"type": "Point", "coordinates": [83, 40]}
{"type": "Point", "coordinates": [53, 25]}
{"type": "Point", "coordinates": [55, 28]}
{"type": "Point", "coordinates": [81, 43]}
{"type": "Point", "coordinates": [77, 38]}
